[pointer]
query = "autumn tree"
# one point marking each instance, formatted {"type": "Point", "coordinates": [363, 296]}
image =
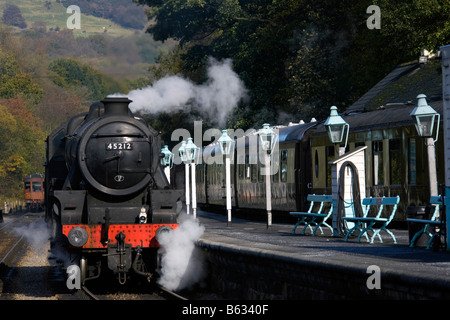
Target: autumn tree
{"type": "Point", "coordinates": [21, 145]}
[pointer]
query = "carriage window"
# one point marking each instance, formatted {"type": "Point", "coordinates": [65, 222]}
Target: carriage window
{"type": "Point", "coordinates": [283, 166]}
{"type": "Point", "coordinates": [275, 168]}
{"type": "Point", "coordinates": [254, 172]}
{"type": "Point", "coordinates": [395, 157]}
{"type": "Point", "coordinates": [28, 186]}
{"type": "Point", "coordinates": [316, 164]}
{"type": "Point", "coordinates": [330, 157]}
{"type": "Point", "coordinates": [37, 187]}
{"type": "Point", "coordinates": [247, 167]}
{"type": "Point", "coordinates": [412, 163]}
{"type": "Point", "coordinates": [241, 167]}
{"type": "Point", "coordinates": [377, 151]}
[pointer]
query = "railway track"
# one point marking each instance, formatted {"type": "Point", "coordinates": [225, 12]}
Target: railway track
{"type": "Point", "coordinates": [141, 292]}
{"type": "Point", "coordinates": [29, 273]}
{"type": "Point", "coordinates": [13, 249]}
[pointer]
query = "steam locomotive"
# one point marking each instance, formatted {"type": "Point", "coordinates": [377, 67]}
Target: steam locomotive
{"type": "Point", "coordinates": [107, 196]}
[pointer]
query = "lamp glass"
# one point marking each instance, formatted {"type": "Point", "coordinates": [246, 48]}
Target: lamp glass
{"type": "Point", "coordinates": [182, 152]}
{"type": "Point", "coordinates": [191, 150]}
{"type": "Point", "coordinates": [268, 138]}
{"type": "Point", "coordinates": [226, 143]}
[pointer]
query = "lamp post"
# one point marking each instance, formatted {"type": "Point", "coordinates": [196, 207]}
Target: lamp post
{"type": "Point", "coordinates": [227, 148]}
{"type": "Point", "coordinates": [424, 117]}
{"type": "Point", "coordinates": [268, 139]}
{"type": "Point", "coordinates": [191, 155]}
{"type": "Point", "coordinates": [183, 157]}
{"type": "Point", "coordinates": [167, 161]}
{"type": "Point", "coordinates": [335, 127]}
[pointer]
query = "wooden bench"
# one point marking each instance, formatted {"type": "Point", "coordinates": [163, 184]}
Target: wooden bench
{"type": "Point", "coordinates": [317, 218]}
{"type": "Point", "coordinates": [432, 223]}
{"type": "Point", "coordinates": [376, 223]}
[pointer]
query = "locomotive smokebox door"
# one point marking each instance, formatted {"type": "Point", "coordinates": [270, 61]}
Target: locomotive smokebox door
{"type": "Point", "coordinates": [119, 257]}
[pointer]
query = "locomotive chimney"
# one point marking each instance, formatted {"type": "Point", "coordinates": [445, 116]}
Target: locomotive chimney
{"type": "Point", "coordinates": [116, 106]}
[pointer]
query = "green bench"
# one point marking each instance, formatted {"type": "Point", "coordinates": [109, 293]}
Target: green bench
{"type": "Point", "coordinates": [315, 218]}
{"type": "Point", "coordinates": [433, 223]}
{"type": "Point", "coordinates": [375, 223]}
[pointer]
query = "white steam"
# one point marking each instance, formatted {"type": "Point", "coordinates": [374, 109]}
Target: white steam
{"type": "Point", "coordinates": [182, 263]}
{"type": "Point", "coordinates": [217, 97]}
{"type": "Point", "coordinates": [36, 233]}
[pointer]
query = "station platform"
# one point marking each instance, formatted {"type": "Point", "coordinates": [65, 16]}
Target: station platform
{"type": "Point", "coordinates": [421, 273]}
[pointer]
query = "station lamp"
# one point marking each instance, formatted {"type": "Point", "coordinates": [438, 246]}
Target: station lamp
{"type": "Point", "coordinates": [183, 156]}
{"type": "Point", "coordinates": [424, 117]}
{"type": "Point", "coordinates": [227, 148]}
{"type": "Point", "coordinates": [268, 138]}
{"type": "Point", "coordinates": [191, 151]}
{"type": "Point", "coordinates": [167, 158]}
{"type": "Point", "coordinates": [191, 156]}
{"type": "Point", "coordinates": [166, 161]}
{"type": "Point", "coordinates": [336, 128]}
{"type": "Point", "coordinates": [226, 144]}
{"type": "Point", "coordinates": [182, 151]}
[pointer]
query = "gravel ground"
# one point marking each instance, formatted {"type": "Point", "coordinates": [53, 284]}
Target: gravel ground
{"type": "Point", "coordinates": [29, 279]}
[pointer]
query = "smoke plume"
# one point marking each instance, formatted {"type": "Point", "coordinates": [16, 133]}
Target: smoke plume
{"type": "Point", "coordinates": [182, 263]}
{"type": "Point", "coordinates": [216, 98]}
{"type": "Point", "coordinates": [36, 233]}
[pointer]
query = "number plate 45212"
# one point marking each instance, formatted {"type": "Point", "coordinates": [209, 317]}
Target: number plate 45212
{"type": "Point", "coordinates": [119, 146]}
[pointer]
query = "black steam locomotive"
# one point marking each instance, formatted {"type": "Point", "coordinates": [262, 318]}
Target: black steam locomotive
{"type": "Point", "coordinates": [108, 197]}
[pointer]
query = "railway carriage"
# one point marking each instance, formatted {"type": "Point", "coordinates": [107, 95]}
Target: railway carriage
{"type": "Point", "coordinates": [395, 160]}
{"type": "Point", "coordinates": [34, 192]}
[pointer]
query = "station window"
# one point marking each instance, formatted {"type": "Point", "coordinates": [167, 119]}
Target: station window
{"type": "Point", "coordinates": [377, 151]}
{"type": "Point", "coordinates": [412, 162]}
{"type": "Point", "coordinates": [395, 157]}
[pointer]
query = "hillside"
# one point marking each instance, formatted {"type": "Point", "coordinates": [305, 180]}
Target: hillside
{"type": "Point", "coordinates": [105, 45]}
{"type": "Point", "coordinates": [54, 15]}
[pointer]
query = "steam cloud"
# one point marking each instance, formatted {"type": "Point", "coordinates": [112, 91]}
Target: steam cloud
{"type": "Point", "coordinates": [182, 263]}
{"type": "Point", "coordinates": [36, 234]}
{"type": "Point", "coordinates": [217, 97]}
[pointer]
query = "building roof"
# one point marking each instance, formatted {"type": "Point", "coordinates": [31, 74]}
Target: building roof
{"type": "Point", "coordinates": [402, 85]}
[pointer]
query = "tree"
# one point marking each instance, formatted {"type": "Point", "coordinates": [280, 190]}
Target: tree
{"type": "Point", "coordinates": [71, 73]}
{"type": "Point", "coordinates": [14, 82]}
{"type": "Point", "coordinates": [300, 56]}
{"type": "Point", "coordinates": [21, 144]}
{"type": "Point", "coordinates": [13, 17]}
